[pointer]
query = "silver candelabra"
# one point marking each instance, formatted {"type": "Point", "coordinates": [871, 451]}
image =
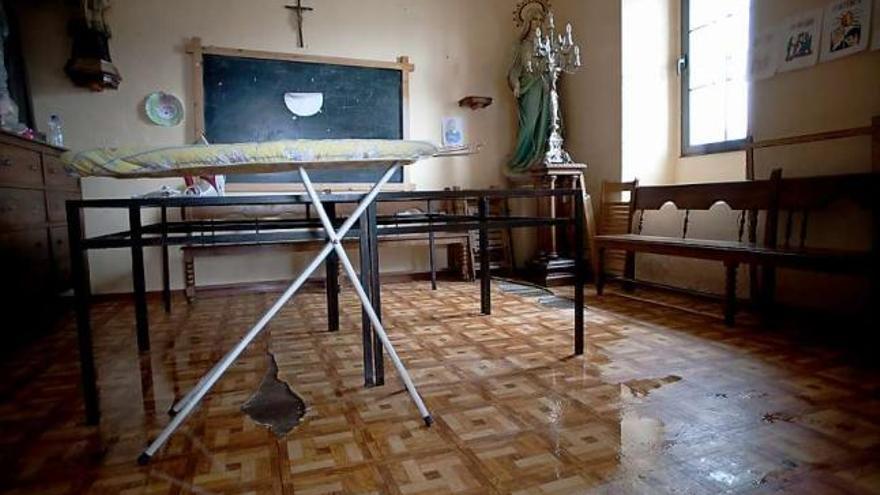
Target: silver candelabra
{"type": "Point", "coordinates": [554, 55]}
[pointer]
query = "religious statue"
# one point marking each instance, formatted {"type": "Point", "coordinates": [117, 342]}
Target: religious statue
{"type": "Point", "coordinates": [539, 61]}
{"type": "Point", "coordinates": [95, 14]}
{"type": "Point", "coordinates": [531, 91]}
{"type": "Point", "coordinates": [90, 65]}
{"type": "Point", "coordinates": [8, 107]}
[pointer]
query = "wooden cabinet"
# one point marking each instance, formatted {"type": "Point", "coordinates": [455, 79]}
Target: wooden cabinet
{"type": "Point", "coordinates": [34, 257]}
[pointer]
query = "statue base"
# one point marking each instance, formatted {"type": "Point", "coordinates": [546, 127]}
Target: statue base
{"type": "Point", "coordinates": [549, 271]}
{"type": "Point", "coordinates": [554, 264]}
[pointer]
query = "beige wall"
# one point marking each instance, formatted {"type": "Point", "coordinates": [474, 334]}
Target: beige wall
{"type": "Point", "coordinates": [833, 95]}
{"type": "Point", "coordinates": [459, 48]}
{"type": "Point", "coordinates": [591, 98]}
{"type": "Point", "coordinates": [650, 91]}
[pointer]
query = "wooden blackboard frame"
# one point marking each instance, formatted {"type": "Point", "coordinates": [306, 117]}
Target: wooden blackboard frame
{"type": "Point", "coordinates": [197, 51]}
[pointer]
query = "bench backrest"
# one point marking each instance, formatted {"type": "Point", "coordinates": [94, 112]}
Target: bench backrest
{"type": "Point", "coordinates": [749, 197]}
{"type": "Point", "coordinates": [779, 198]}
{"type": "Point", "coordinates": [803, 195]}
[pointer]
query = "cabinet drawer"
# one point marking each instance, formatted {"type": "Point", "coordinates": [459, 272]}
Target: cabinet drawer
{"type": "Point", "coordinates": [56, 177]}
{"type": "Point", "coordinates": [24, 262]}
{"type": "Point", "coordinates": [60, 257]}
{"type": "Point", "coordinates": [58, 204]}
{"type": "Point", "coordinates": [21, 248]}
{"type": "Point", "coordinates": [21, 207]}
{"type": "Point", "coordinates": [20, 167]}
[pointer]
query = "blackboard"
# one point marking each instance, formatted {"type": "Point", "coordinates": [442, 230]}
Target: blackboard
{"type": "Point", "coordinates": [244, 101]}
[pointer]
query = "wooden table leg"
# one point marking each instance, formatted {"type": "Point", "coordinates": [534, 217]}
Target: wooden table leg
{"type": "Point", "coordinates": [600, 270]}
{"type": "Point", "coordinates": [731, 268]}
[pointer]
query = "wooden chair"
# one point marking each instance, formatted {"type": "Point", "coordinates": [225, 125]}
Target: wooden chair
{"type": "Point", "coordinates": [616, 211]}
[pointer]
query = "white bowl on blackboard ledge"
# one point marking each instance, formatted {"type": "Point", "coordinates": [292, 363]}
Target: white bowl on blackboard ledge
{"type": "Point", "coordinates": [304, 104]}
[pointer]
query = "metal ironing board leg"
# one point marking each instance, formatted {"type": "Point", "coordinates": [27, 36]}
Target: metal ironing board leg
{"type": "Point", "coordinates": [192, 398]}
{"type": "Point", "coordinates": [335, 240]}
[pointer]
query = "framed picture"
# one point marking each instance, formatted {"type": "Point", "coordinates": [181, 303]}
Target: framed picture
{"type": "Point", "coordinates": [453, 131]}
{"type": "Point", "coordinates": [800, 42]}
{"type": "Point", "coordinates": [764, 54]}
{"type": "Point", "coordinates": [847, 27]}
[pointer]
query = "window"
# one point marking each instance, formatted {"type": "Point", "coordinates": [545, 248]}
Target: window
{"type": "Point", "coordinates": [715, 93]}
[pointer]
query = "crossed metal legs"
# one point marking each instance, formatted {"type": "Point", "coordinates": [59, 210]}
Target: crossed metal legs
{"type": "Point", "coordinates": [188, 403]}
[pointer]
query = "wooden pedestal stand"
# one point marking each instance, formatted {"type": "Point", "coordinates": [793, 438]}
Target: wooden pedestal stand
{"type": "Point", "coordinates": [553, 264]}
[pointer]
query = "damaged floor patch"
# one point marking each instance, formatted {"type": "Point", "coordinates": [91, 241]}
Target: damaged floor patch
{"type": "Point", "coordinates": [274, 404]}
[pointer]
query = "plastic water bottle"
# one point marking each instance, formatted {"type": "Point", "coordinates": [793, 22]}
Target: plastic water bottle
{"type": "Point", "coordinates": [55, 135]}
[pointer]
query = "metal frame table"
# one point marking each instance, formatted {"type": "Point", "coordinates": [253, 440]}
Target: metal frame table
{"type": "Point", "coordinates": [329, 226]}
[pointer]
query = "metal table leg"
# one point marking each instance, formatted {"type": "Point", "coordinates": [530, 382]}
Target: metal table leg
{"type": "Point", "coordinates": [579, 273]}
{"type": "Point", "coordinates": [138, 281]}
{"type": "Point", "coordinates": [166, 273]}
{"type": "Point", "coordinates": [366, 261]}
{"type": "Point", "coordinates": [431, 261]}
{"type": "Point", "coordinates": [331, 281]}
{"type": "Point", "coordinates": [375, 293]}
{"type": "Point", "coordinates": [81, 290]}
{"type": "Point", "coordinates": [485, 276]}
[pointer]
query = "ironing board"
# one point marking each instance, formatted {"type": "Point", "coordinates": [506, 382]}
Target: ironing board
{"type": "Point", "coordinates": [299, 155]}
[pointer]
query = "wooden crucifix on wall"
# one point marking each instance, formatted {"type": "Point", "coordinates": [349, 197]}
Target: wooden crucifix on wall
{"type": "Point", "coordinates": [298, 10]}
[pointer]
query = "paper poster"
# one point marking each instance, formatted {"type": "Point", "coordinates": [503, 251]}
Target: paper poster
{"type": "Point", "coordinates": [764, 54]}
{"type": "Point", "coordinates": [453, 131]}
{"type": "Point", "coordinates": [800, 41]}
{"type": "Point", "coordinates": [846, 28]}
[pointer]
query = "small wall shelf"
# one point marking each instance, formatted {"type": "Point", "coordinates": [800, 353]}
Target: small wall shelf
{"type": "Point", "coordinates": [475, 102]}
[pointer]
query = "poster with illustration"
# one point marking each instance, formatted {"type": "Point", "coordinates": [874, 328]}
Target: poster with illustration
{"type": "Point", "coordinates": [846, 31]}
{"type": "Point", "coordinates": [800, 42]}
{"type": "Point", "coordinates": [764, 54]}
{"type": "Point", "coordinates": [453, 131]}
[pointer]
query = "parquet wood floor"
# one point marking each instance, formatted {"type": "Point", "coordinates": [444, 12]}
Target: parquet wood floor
{"type": "Point", "coordinates": [663, 401]}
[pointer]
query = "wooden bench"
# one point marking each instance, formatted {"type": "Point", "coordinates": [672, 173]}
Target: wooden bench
{"type": "Point", "coordinates": [749, 198]}
{"type": "Point", "coordinates": [798, 199]}
{"type": "Point", "coordinates": [769, 198]}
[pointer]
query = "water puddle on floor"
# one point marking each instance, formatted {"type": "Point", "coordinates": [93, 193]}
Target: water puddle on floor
{"type": "Point", "coordinates": [274, 405]}
{"type": "Point", "coordinates": [544, 296]}
{"type": "Point", "coordinates": [643, 386]}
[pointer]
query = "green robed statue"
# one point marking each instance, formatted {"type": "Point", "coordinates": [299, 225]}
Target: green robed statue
{"type": "Point", "coordinates": [532, 92]}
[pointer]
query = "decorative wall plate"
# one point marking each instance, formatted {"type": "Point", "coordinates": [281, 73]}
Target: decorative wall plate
{"type": "Point", "coordinates": [163, 109]}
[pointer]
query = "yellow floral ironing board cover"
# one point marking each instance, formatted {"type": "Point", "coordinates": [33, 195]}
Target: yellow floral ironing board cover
{"type": "Point", "coordinates": [219, 159]}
